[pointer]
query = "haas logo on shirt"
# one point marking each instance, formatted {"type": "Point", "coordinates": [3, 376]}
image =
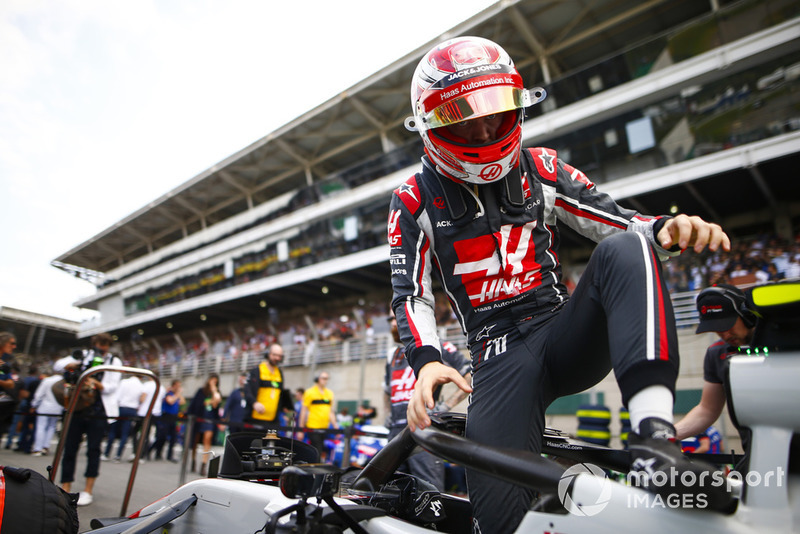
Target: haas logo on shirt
{"type": "Point", "coordinates": [490, 274]}
{"type": "Point", "coordinates": [402, 385]}
{"type": "Point", "coordinates": [395, 239]}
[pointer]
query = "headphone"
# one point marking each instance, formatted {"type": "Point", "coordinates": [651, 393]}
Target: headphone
{"type": "Point", "coordinates": [319, 375]}
{"type": "Point", "coordinates": [737, 298]}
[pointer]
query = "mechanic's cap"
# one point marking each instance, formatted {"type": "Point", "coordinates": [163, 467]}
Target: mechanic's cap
{"type": "Point", "coordinates": [717, 310]}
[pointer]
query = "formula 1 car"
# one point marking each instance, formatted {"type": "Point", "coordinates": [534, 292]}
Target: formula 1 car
{"type": "Point", "coordinates": [271, 484]}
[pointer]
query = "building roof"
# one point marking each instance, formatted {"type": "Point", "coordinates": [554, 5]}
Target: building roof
{"type": "Point", "coordinates": [39, 334]}
{"type": "Point", "coordinates": [368, 118]}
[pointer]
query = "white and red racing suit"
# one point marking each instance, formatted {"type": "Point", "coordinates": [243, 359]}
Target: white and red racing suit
{"type": "Point", "coordinates": [494, 248]}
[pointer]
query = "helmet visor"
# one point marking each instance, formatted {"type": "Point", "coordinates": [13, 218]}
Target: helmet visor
{"type": "Point", "coordinates": [475, 104]}
{"type": "Point", "coordinates": [472, 105]}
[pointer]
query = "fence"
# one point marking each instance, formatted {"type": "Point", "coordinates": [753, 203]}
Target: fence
{"type": "Point", "coordinates": [307, 354]}
{"type": "Point", "coordinates": [354, 349]}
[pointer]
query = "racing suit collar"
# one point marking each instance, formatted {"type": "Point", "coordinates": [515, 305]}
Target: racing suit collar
{"type": "Point", "coordinates": [454, 192]}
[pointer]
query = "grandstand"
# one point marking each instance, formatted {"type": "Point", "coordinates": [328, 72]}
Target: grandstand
{"type": "Point", "coordinates": [669, 105]}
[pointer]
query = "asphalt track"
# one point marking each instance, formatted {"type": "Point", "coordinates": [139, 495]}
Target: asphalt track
{"type": "Point", "coordinates": [154, 479]}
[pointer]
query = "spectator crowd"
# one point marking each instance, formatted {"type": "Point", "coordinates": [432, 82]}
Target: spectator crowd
{"type": "Point", "coordinates": [762, 259]}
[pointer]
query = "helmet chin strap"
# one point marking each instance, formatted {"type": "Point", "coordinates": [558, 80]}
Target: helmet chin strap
{"type": "Point", "coordinates": [454, 193]}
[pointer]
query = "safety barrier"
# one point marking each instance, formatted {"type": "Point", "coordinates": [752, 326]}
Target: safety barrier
{"type": "Point", "coordinates": [594, 421]}
{"type": "Point", "coordinates": [625, 426]}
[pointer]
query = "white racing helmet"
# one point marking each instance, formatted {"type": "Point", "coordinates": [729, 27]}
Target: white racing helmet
{"type": "Point", "coordinates": [462, 79]}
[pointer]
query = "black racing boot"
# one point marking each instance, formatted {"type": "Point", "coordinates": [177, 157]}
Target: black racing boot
{"type": "Point", "coordinates": [659, 466]}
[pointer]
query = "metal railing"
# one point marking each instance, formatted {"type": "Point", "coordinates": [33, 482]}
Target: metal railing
{"type": "Point", "coordinates": [354, 349]}
{"type": "Point", "coordinates": [683, 304]}
{"type": "Point", "coordinates": [307, 354]}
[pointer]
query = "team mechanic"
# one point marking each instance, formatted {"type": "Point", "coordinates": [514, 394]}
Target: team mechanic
{"type": "Point", "coordinates": [483, 213]}
{"type": "Point", "coordinates": [264, 390]}
{"type": "Point", "coordinates": [398, 387]}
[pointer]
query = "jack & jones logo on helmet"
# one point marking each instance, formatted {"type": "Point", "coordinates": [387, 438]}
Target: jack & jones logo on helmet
{"type": "Point", "coordinates": [603, 493]}
{"type": "Point", "coordinates": [473, 70]}
{"type": "Point", "coordinates": [491, 172]}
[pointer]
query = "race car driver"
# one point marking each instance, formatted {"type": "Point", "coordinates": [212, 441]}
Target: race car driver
{"type": "Point", "coordinates": [483, 213]}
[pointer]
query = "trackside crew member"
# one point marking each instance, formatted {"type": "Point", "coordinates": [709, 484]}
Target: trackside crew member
{"type": "Point", "coordinates": [398, 385]}
{"type": "Point", "coordinates": [723, 310]}
{"type": "Point", "coordinates": [483, 214]}
{"type": "Point", "coordinates": [265, 391]}
{"type": "Point", "coordinates": [317, 412]}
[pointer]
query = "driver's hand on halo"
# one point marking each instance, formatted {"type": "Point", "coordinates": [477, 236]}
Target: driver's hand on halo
{"type": "Point", "coordinates": [430, 376]}
{"type": "Point", "coordinates": [692, 231]}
